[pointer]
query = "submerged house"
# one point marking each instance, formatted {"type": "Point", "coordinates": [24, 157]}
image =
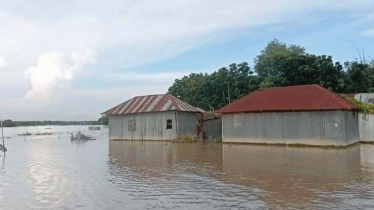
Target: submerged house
{"type": "Point", "coordinates": [153, 117]}
{"type": "Point", "coordinates": [366, 98]}
{"type": "Point", "coordinates": [307, 114]}
{"type": "Point", "coordinates": [366, 120]}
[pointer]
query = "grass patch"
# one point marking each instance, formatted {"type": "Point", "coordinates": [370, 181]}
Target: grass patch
{"type": "Point", "coordinates": [217, 140]}
{"type": "Point", "coordinates": [185, 139]}
{"type": "Point", "coordinates": [35, 134]}
{"type": "Point", "coordinates": [366, 108]}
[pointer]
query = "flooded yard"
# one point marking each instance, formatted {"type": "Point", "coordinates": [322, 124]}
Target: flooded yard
{"type": "Point", "coordinates": [53, 172]}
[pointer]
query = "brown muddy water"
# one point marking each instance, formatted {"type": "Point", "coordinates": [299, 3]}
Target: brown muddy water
{"type": "Point", "coordinates": [51, 172]}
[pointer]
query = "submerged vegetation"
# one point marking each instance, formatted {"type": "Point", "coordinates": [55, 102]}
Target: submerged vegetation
{"type": "Point", "coordinates": [185, 139]}
{"type": "Point", "coordinates": [35, 134]}
{"type": "Point", "coordinates": [277, 65]}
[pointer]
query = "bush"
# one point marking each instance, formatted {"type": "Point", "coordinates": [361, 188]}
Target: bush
{"type": "Point", "coordinates": [366, 108]}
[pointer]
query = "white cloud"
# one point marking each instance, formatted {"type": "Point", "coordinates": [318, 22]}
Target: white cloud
{"type": "Point", "coordinates": [129, 33]}
{"type": "Point", "coordinates": [75, 104]}
{"type": "Point", "coordinates": [143, 30]}
{"type": "Point", "coordinates": [2, 62]}
{"type": "Point", "coordinates": [161, 77]}
{"type": "Point", "coordinates": [53, 70]}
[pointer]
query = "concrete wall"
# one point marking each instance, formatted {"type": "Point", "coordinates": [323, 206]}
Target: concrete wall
{"type": "Point", "coordinates": [366, 126]}
{"type": "Point", "coordinates": [152, 126]}
{"type": "Point", "coordinates": [338, 128]}
{"type": "Point", "coordinates": [367, 98]}
{"type": "Point", "coordinates": [213, 128]}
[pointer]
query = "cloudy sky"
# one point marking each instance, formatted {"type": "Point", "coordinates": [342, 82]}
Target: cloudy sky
{"type": "Point", "coordinates": [73, 59]}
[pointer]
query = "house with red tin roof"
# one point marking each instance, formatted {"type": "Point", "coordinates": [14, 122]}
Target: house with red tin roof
{"type": "Point", "coordinates": [306, 114]}
{"type": "Point", "coordinates": [154, 117]}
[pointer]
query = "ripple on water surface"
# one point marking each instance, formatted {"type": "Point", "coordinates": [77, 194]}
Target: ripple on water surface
{"type": "Point", "coordinates": [54, 173]}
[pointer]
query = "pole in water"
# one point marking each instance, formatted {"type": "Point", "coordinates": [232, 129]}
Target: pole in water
{"type": "Point", "coordinates": [2, 134]}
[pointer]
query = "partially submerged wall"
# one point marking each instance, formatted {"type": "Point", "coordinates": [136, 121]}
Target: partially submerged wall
{"type": "Point", "coordinates": [187, 124]}
{"type": "Point", "coordinates": [152, 126]}
{"type": "Point", "coordinates": [337, 128]}
{"type": "Point", "coordinates": [366, 127]}
{"type": "Point", "coordinates": [213, 128]}
{"type": "Point", "coordinates": [143, 126]}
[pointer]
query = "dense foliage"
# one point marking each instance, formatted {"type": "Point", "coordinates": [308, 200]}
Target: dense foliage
{"type": "Point", "coordinates": [212, 91]}
{"type": "Point", "coordinates": [104, 120]}
{"type": "Point", "coordinates": [277, 65]}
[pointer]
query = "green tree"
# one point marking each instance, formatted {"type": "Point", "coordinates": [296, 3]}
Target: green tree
{"type": "Point", "coordinates": [104, 120]}
{"type": "Point", "coordinates": [213, 91]}
{"type": "Point", "coordinates": [282, 65]}
{"type": "Point", "coordinates": [359, 76]}
{"type": "Point", "coordinates": [273, 58]}
{"type": "Point", "coordinates": [278, 65]}
{"type": "Point", "coordinates": [9, 123]}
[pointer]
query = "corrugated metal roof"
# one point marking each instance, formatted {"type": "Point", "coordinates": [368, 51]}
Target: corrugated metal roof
{"type": "Point", "coordinates": [288, 99]}
{"type": "Point", "coordinates": [151, 103]}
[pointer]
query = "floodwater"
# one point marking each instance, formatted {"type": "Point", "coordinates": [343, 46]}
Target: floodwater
{"type": "Point", "coordinates": [52, 172]}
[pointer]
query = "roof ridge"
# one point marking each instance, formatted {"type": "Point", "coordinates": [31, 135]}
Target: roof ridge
{"type": "Point", "coordinates": [291, 86]}
{"type": "Point", "coordinates": [140, 104]}
{"type": "Point", "coordinates": [335, 97]}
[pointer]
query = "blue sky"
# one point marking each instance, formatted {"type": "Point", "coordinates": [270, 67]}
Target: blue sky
{"type": "Point", "coordinates": [74, 59]}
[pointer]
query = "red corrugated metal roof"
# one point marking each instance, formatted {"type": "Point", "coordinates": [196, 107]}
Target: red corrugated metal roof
{"type": "Point", "coordinates": [151, 103]}
{"type": "Point", "coordinates": [289, 99]}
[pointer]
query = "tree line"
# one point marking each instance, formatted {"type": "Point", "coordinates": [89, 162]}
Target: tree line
{"type": "Point", "coordinates": [277, 65]}
{"type": "Point", "coordinates": [9, 123]}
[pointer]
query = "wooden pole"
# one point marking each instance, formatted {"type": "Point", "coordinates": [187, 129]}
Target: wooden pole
{"type": "Point", "coordinates": [2, 134]}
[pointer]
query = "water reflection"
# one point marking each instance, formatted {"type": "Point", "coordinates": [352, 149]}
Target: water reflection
{"type": "Point", "coordinates": [172, 176]}
{"type": "Point", "coordinates": [294, 177]}
{"type": "Point", "coordinates": [46, 178]}
{"type": "Point", "coordinates": [275, 177]}
{"type": "Point", "coordinates": [54, 173]}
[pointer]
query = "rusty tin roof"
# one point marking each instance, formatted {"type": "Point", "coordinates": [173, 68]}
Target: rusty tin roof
{"type": "Point", "coordinates": [151, 103]}
{"type": "Point", "coordinates": [289, 99]}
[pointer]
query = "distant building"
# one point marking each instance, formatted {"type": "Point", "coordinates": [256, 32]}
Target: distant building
{"type": "Point", "coordinates": [366, 98]}
{"type": "Point", "coordinates": [307, 114]}
{"type": "Point", "coordinates": [153, 117]}
{"type": "Point", "coordinates": [366, 121]}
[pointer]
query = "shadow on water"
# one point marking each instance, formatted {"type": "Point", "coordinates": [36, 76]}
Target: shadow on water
{"type": "Point", "coordinates": [278, 177]}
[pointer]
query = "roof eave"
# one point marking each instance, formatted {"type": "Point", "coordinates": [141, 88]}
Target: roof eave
{"type": "Point", "coordinates": [298, 110]}
{"type": "Point", "coordinates": [155, 112]}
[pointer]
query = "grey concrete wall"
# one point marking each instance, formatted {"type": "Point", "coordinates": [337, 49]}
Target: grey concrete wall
{"type": "Point", "coordinates": [187, 123]}
{"type": "Point", "coordinates": [149, 126]}
{"type": "Point", "coordinates": [338, 128]}
{"type": "Point", "coordinates": [366, 127]}
{"type": "Point", "coordinates": [213, 128]}
{"type": "Point", "coordinates": [367, 98]}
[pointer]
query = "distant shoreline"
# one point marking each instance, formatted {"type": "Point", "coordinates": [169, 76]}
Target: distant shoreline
{"type": "Point", "coordinates": [47, 123]}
